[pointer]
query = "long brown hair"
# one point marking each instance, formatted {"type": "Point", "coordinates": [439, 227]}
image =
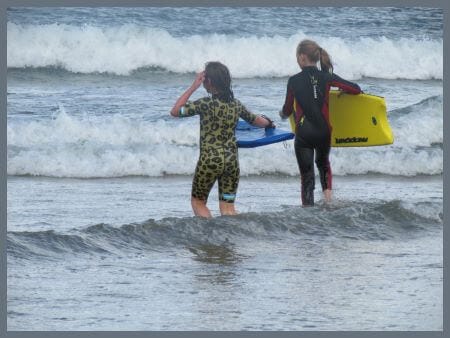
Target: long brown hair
{"type": "Point", "coordinates": [220, 78]}
{"type": "Point", "coordinates": [315, 53]}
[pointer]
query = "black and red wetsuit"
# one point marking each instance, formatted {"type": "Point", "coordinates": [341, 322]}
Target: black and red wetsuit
{"type": "Point", "coordinates": [307, 97]}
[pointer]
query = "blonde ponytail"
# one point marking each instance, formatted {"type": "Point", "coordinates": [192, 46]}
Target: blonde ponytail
{"type": "Point", "coordinates": [315, 53]}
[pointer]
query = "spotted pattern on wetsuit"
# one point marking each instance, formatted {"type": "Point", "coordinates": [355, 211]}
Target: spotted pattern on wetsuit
{"type": "Point", "coordinates": [218, 158]}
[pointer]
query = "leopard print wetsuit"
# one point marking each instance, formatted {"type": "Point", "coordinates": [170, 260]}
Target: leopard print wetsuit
{"type": "Point", "coordinates": [218, 158]}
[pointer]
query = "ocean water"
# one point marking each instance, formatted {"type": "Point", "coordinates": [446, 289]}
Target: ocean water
{"type": "Point", "coordinates": [100, 230]}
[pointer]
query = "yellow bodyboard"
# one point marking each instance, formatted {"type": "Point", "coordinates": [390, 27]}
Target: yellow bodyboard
{"type": "Point", "coordinates": [357, 120]}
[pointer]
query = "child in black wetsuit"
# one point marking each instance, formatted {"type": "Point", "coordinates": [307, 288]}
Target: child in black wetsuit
{"type": "Point", "coordinates": [307, 97]}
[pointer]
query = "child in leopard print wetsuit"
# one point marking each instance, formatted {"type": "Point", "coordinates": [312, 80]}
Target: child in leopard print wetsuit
{"type": "Point", "coordinates": [219, 115]}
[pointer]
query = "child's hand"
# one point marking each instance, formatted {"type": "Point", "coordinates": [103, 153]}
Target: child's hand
{"type": "Point", "coordinates": [198, 80]}
{"type": "Point", "coordinates": [282, 115]}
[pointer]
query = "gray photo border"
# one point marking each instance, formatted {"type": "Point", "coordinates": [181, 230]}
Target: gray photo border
{"type": "Point", "coordinates": [202, 3]}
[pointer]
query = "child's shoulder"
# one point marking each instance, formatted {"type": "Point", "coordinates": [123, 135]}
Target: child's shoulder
{"type": "Point", "coordinates": [205, 99]}
{"type": "Point", "coordinates": [237, 101]}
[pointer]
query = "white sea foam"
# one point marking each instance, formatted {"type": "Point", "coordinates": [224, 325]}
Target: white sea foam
{"type": "Point", "coordinates": [422, 124]}
{"type": "Point", "coordinates": [124, 49]}
{"type": "Point", "coordinates": [71, 146]}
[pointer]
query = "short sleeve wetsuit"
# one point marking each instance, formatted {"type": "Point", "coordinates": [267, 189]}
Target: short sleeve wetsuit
{"type": "Point", "coordinates": [218, 158]}
{"type": "Point", "coordinates": [307, 97]}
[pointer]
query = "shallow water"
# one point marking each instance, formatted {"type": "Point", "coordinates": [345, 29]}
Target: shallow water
{"type": "Point", "coordinates": [351, 265]}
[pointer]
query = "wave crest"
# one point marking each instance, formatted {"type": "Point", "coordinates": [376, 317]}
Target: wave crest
{"type": "Point", "coordinates": [362, 221]}
{"type": "Point", "coordinates": [124, 49]}
{"type": "Point", "coordinates": [81, 146]}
